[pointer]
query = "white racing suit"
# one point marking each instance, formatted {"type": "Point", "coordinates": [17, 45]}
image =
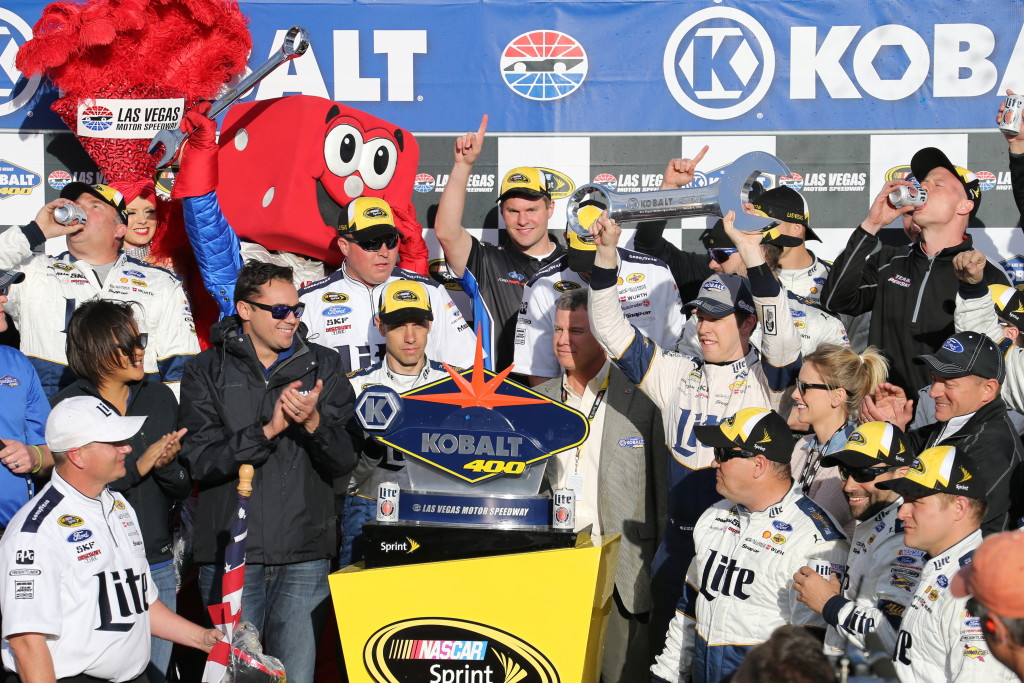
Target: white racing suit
{"type": "Point", "coordinates": [882, 577]}
{"type": "Point", "coordinates": [377, 463]}
{"type": "Point", "coordinates": [978, 314]}
{"type": "Point", "coordinates": [739, 587]}
{"type": "Point", "coordinates": [42, 305]}
{"type": "Point", "coordinates": [938, 639]}
{"type": "Point", "coordinates": [340, 311]}
{"type": "Point", "coordinates": [690, 392]}
{"type": "Point", "coordinates": [806, 282]}
{"type": "Point", "coordinates": [647, 294]}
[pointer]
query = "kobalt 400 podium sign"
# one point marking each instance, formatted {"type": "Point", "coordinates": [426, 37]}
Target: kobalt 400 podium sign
{"type": "Point", "coordinates": [477, 445]}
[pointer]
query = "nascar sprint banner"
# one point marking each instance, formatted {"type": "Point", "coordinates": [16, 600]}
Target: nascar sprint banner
{"type": "Point", "coordinates": [621, 66]}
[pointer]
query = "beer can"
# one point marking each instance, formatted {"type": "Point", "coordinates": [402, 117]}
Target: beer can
{"type": "Point", "coordinates": [906, 195]}
{"type": "Point", "coordinates": [387, 502]}
{"type": "Point", "coordinates": [1013, 106]}
{"type": "Point", "coordinates": [563, 509]}
{"type": "Point", "coordinates": [66, 214]}
{"type": "Point", "coordinates": [823, 567]}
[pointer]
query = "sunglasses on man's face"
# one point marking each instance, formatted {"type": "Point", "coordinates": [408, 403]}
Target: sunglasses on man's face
{"type": "Point", "coordinates": [721, 255]}
{"type": "Point", "coordinates": [726, 454]}
{"type": "Point", "coordinates": [279, 311]}
{"type": "Point", "coordinates": [863, 475]}
{"type": "Point", "coordinates": [389, 241]}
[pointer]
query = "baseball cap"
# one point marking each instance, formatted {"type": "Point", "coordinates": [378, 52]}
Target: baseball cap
{"type": "Point", "coordinates": [104, 193]}
{"type": "Point", "coordinates": [774, 236]}
{"type": "Point", "coordinates": [580, 251]}
{"type": "Point", "coordinates": [721, 294]}
{"type": "Point", "coordinates": [966, 353]}
{"type": "Point", "coordinates": [1009, 304]}
{"type": "Point", "coordinates": [931, 157]}
{"type": "Point", "coordinates": [79, 420]}
{"type": "Point", "coordinates": [942, 469]}
{"type": "Point", "coordinates": [367, 217]}
{"type": "Point", "coordinates": [525, 181]}
{"type": "Point", "coordinates": [404, 300]}
{"type": "Point", "coordinates": [787, 205]}
{"type": "Point", "coordinates": [994, 574]}
{"type": "Point", "coordinates": [871, 444]}
{"type": "Point", "coordinates": [10, 277]}
{"type": "Point", "coordinates": [715, 237]}
{"type": "Point", "coordinates": [755, 430]}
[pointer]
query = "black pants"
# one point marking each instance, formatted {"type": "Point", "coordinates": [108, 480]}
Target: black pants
{"type": "Point", "coordinates": [81, 678]}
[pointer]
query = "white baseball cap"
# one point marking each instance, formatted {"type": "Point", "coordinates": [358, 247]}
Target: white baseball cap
{"type": "Point", "coordinates": [79, 420]}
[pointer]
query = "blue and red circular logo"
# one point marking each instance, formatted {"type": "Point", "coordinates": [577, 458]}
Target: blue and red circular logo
{"type": "Point", "coordinates": [424, 182]}
{"type": "Point", "coordinates": [606, 179]}
{"type": "Point", "coordinates": [58, 180]}
{"type": "Point", "coordinates": [97, 118]}
{"type": "Point", "coordinates": [794, 180]}
{"type": "Point", "coordinates": [986, 180]}
{"type": "Point", "coordinates": [544, 65]}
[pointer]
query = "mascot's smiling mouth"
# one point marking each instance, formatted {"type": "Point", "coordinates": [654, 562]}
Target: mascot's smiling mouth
{"type": "Point", "coordinates": [330, 210]}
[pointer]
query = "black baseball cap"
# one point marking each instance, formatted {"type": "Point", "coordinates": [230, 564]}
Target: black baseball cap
{"type": "Point", "coordinates": [942, 469]}
{"type": "Point", "coordinates": [104, 193]}
{"type": "Point", "coordinates": [715, 237]}
{"type": "Point", "coordinates": [755, 430]}
{"type": "Point", "coordinates": [787, 205]}
{"type": "Point", "coordinates": [931, 157]}
{"type": "Point", "coordinates": [10, 277]}
{"type": "Point", "coordinates": [966, 353]}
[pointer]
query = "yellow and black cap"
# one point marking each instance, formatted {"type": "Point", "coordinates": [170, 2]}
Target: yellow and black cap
{"type": "Point", "coordinates": [715, 237]}
{"type": "Point", "coordinates": [104, 193]}
{"type": "Point", "coordinates": [931, 157]}
{"type": "Point", "coordinates": [1009, 304]}
{"type": "Point", "coordinates": [404, 300]}
{"type": "Point", "coordinates": [942, 469]}
{"type": "Point", "coordinates": [871, 444]}
{"type": "Point", "coordinates": [366, 218]}
{"type": "Point", "coordinates": [525, 181]}
{"type": "Point", "coordinates": [755, 430]}
{"type": "Point", "coordinates": [788, 206]}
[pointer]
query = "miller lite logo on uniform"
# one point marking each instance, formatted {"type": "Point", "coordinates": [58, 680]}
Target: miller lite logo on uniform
{"type": "Point", "coordinates": [387, 502]}
{"type": "Point", "coordinates": [563, 509]}
{"type": "Point", "coordinates": [1013, 106]}
{"type": "Point", "coordinates": [823, 567]}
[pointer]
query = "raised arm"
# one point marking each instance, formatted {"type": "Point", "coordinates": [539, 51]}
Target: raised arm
{"type": "Point", "coordinates": [455, 240]}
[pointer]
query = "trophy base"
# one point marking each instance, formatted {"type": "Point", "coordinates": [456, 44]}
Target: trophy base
{"type": "Point", "coordinates": [504, 511]}
{"type": "Point", "coordinates": [391, 544]}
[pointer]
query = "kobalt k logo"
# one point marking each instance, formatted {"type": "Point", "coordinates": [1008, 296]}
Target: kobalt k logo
{"type": "Point", "coordinates": [719, 63]}
{"type": "Point", "coordinates": [14, 91]}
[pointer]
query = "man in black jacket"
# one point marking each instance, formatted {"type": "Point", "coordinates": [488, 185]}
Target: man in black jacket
{"type": "Point", "coordinates": [912, 292]}
{"type": "Point", "coordinates": [264, 396]}
{"type": "Point", "coordinates": [967, 371]}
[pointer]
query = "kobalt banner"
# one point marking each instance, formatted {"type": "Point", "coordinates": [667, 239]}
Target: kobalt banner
{"type": "Point", "coordinates": [632, 66]}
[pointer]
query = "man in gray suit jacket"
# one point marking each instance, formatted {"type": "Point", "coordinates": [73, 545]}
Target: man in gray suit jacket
{"type": "Point", "coordinates": [619, 476]}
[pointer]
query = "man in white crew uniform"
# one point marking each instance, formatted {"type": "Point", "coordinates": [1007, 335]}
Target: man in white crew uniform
{"type": "Point", "coordinates": [78, 603]}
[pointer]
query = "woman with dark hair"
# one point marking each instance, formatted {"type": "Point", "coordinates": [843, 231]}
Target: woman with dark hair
{"type": "Point", "coordinates": [105, 352]}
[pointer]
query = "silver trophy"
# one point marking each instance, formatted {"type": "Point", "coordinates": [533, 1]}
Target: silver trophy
{"type": "Point", "coordinates": [730, 193]}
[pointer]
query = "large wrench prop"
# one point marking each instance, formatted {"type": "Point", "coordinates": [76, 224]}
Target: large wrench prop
{"type": "Point", "coordinates": [730, 193]}
{"type": "Point", "coordinates": [296, 42]}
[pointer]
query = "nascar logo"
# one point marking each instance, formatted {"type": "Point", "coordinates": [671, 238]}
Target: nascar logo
{"type": "Point", "coordinates": [405, 295]}
{"type": "Point", "coordinates": [718, 63]}
{"type": "Point", "coordinates": [543, 65]}
{"type": "Point", "coordinates": [375, 212]}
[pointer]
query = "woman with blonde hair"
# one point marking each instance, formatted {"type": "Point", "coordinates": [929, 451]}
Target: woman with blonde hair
{"type": "Point", "coordinates": [829, 390]}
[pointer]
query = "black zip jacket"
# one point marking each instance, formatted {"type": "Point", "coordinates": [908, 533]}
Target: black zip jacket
{"type": "Point", "coordinates": [911, 298]}
{"type": "Point", "coordinates": [152, 495]}
{"type": "Point", "coordinates": [991, 441]}
{"type": "Point", "coordinates": [226, 399]}
{"type": "Point", "coordinates": [1017, 181]}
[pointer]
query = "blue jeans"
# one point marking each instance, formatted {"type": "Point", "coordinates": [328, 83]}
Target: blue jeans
{"type": "Point", "coordinates": [357, 512]}
{"type": "Point", "coordinates": [288, 603]}
{"type": "Point", "coordinates": [160, 649]}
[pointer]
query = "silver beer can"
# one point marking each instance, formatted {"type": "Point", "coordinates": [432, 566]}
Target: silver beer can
{"type": "Point", "coordinates": [908, 195]}
{"type": "Point", "coordinates": [823, 567]}
{"type": "Point", "coordinates": [66, 214]}
{"type": "Point", "coordinates": [387, 502]}
{"type": "Point", "coordinates": [1013, 106]}
{"type": "Point", "coordinates": [563, 509]}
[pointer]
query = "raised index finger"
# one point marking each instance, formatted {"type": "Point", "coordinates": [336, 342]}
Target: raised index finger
{"type": "Point", "coordinates": [483, 127]}
{"type": "Point", "coordinates": [700, 155]}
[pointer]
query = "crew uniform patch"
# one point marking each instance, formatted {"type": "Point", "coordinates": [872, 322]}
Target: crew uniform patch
{"type": "Point", "coordinates": [825, 527]}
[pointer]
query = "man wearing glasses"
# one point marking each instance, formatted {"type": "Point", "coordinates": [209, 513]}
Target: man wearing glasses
{"type": "Point", "coordinates": [262, 395]}
{"type": "Point", "coordinates": [866, 608]}
{"type": "Point", "coordinates": [944, 503]}
{"type": "Point", "coordinates": [967, 372]}
{"type": "Point", "coordinates": [738, 586]}
{"type": "Point", "coordinates": [342, 306]}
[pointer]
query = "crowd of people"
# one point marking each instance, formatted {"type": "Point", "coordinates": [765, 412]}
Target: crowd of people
{"type": "Point", "coordinates": [772, 481]}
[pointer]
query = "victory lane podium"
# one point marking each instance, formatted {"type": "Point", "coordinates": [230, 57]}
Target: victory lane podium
{"type": "Point", "coordinates": [533, 617]}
